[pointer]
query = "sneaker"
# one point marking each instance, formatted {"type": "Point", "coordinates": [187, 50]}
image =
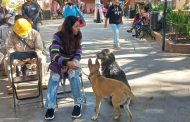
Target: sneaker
{"type": "Point", "coordinates": [49, 114]}
{"type": "Point", "coordinates": [77, 111]}
{"type": "Point", "coordinates": [117, 47]}
{"type": "Point", "coordinates": [114, 46]}
{"type": "Point", "coordinates": [135, 35]}
{"type": "Point", "coordinates": [129, 31]}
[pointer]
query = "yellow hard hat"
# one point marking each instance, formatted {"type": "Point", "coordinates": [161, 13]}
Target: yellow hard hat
{"type": "Point", "coordinates": [22, 27]}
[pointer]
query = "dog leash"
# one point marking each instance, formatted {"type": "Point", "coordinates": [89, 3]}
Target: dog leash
{"type": "Point", "coordinates": [84, 72]}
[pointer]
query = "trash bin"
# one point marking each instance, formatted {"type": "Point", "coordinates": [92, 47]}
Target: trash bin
{"type": "Point", "coordinates": [46, 14]}
{"type": "Point", "coordinates": [132, 13]}
{"type": "Point", "coordinates": [154, 20]}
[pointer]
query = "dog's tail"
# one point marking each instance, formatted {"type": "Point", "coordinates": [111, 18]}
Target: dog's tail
{"type": "Point", "coordinates": [129, 92]}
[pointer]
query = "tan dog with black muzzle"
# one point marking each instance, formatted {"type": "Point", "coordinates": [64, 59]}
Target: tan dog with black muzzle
{"type": "Point", "coordinates": [103, 87]}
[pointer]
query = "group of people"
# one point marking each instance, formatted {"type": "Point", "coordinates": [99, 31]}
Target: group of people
{"type": "Point", "coordinates": [65, 50]}
{"type": "Point", "coordinates": [21, 33]}
{"type": "Point", "coordinates": [141, 19]}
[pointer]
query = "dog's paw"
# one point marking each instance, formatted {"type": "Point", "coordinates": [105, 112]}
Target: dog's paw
{"type": "Point", "coordinates": [94, 118]}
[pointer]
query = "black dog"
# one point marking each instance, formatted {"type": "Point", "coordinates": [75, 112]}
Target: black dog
{"type": "Point", "coordinates": [110, 68]}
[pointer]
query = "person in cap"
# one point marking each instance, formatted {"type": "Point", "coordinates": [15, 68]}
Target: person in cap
{"type": "Point", "coordinates": [22, 39]}
{"type": "Point", "coordinates": [65, 53]}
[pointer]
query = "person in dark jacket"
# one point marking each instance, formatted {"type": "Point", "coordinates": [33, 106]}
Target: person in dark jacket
{"type": "Point", "coordinates": [3, 12]}
{"type": "Point", "coordinates": [114, 15]}
{"type": "Point", "coordinates": [31, 10]}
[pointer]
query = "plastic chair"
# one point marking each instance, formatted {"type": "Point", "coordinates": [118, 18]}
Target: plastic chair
{"type": "Point", "coordinates": [64, 92]}
{"type": "Point", "coordinates": [25, 79]}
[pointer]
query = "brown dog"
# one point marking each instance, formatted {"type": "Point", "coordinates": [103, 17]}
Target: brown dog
{"type": "Point", "coordinates": [103, 87]}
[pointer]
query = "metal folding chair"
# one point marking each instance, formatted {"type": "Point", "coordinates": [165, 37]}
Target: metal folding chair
{"type": "Point", "coordinates": [62, 94]}
{"type": "Point", "coordinates": [25, 79]}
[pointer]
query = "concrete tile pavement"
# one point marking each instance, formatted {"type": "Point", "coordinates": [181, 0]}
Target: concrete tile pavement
{"type": "Point", "coordinates": [159, 80]}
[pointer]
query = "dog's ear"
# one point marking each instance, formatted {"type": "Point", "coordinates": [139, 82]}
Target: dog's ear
{"type": "Point", "coordinates": [89, 62]}
{"type": "Point", "coordinates": [97, 63]}
{"type": "Point", "coordinates": [111, 55]}
{"type": "Point", "coordinates": [107, 51]}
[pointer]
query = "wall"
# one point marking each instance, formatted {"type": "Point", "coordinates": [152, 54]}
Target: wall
{"type": "Point", "coordinates": [179, 4]}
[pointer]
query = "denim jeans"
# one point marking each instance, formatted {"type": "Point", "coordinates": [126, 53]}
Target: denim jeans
{"type": "Point", "coordinates": [54, 84]}
{"type": "Point", "coordinates": [115, 28]}
{"type": "Point", "coordinates": [36, 26]}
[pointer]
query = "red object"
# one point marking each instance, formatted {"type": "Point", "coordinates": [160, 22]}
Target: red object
{"type": "Point", "coordinates": [81, 22]}
{"type": "Point", "coordinates": [136, 20]}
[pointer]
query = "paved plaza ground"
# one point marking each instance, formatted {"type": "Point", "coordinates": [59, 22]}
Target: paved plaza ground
{"type": "Point", "coordinates": [159, 80]}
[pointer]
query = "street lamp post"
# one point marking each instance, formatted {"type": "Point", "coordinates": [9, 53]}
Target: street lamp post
{"type": "Point", "coordinates": [164, 25]}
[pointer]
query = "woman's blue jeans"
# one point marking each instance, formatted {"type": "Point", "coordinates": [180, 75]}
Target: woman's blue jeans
{"type": "Point", "coordinates": [54, 84]}
{"type": "Point", "coordinates": [115, 28]}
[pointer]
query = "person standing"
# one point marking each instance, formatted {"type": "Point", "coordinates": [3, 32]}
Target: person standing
{"type": "Point", "coordinates": [114, 15]}
{"type": "Point", "coordinates": [98, 13]}
{"type": "Point", "coordinates": [3, 12]}
{"type": "Point", "coordinates": [65, 53]}
{"type": "Point", "coordinates": [31, 10]}
{"type": "Point", "coordinates": [71, 9]}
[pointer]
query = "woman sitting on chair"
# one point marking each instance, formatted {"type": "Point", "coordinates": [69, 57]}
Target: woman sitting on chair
{"type": "Point", "coordinates": [65, 51]}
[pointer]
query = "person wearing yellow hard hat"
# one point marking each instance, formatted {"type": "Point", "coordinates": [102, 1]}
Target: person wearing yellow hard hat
{"type": "Point", "coordinates": [22, 39]}
{"type": "Point", "coordinates": [22, 27]}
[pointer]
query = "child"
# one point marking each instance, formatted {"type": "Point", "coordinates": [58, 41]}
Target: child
{"type": "Point", "coordinates": [135, 21]}
{"type": "Point", "coordinates": [138, 26]}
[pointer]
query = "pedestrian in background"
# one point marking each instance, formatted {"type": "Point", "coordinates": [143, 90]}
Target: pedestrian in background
{"type": "Point", "coordinates": [31, 10]}
{"type": "Point", "coordinates": [71, 9]}
{"type": "Point", "coordinates": [3, 12]}
{"type": "Point", "coordinates": [98, 12]}
{"type": "Point", "coordinates": [135, 21]}
{"type": "Point", "coordinates": [114, 15]}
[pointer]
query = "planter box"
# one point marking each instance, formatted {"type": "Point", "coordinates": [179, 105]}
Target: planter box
{"type": "Point", "coordinates": [171, 47]}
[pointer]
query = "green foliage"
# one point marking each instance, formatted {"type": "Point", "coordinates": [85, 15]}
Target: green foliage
{"type": "Point", "coordinates": [178, 20]}
{"type": "Point", "coordinates": [188, 28]}
{"type": "Point", "coordinates": [15, 6]}
{"type": "Point", "coordinates": [5, 2]}
{"type": "Point", "coordinates": [159, 7]}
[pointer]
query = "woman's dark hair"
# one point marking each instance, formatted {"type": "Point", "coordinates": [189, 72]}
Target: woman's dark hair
{"type": "Point", "coordinates": [137, 16]}
{"type": "Point", "coordinates": [146, 8]}
{"type": "Point", "coordinates": [70, 3]}
{"type": "Point", "coordinates": [70, 41]}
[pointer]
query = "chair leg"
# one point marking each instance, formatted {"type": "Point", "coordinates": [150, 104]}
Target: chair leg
{"type": "Point", "coordinates": [41, 92]}
{"type": "Point", "coordinates": [14, 97]}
